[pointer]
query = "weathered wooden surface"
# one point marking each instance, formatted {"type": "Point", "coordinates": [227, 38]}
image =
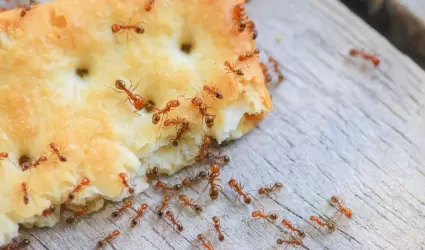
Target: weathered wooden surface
{"type": "Point", "coordinates": [339, 127]}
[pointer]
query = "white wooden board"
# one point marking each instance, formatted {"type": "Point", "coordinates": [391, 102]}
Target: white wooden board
{"type": "Point", "coordinates": [340, 127]}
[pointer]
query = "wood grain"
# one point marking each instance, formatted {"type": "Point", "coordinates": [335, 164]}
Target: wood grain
{"type": "Point", "coordinates": [340, 127]}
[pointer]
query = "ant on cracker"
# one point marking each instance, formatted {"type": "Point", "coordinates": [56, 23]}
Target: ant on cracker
{"type": "Point", "coordinates": [213, 91]}
{"type": "Point", "coordinates": [152, 174]}
{"type": "Point", "coordinates": [203, 149]}
{"type": "Point", "coordinates": [124, 180]}
{"type": "Point", "coordinates": [137, 29]}
{"type": "Point", "coordinates": [48, 211]}
{"type": "Point", "coordinates": [27, 165]}
{"type": "Point", "coordinates": [184, 127]}
{"type": "Point", "coordinates": [231, 68]}
{"type": "Point", "coordinates": [156, 117]}
{"type": "Point", "coordinates": [249, 54]}
{"type": "Point", "coordinates": [203, 110]}
{"type": "Point", "coordinates": [372, 58]}
{"type": "Point", "coordinates": [84, 210]}
{"type": "Point", "coordinates": [135, 100]}
{"type": "Point", "coordinates": [56, 151]}
{"type": "Point", "coordinates": [24, 188]}
{"type": "Point", "coordinates": [240, 16]}
{"type": "Point", "coordinates": [83, 183]}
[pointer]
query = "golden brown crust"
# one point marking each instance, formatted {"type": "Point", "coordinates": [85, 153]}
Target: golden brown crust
{"type": "Point", "coordinates": [44, 100]}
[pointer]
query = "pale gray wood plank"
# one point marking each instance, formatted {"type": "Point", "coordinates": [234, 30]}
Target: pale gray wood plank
{"type": "Point", "coordinates": [338, 128]}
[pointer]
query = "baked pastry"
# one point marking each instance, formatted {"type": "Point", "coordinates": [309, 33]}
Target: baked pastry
{"type": "Point", "coordinates": [80, 97]}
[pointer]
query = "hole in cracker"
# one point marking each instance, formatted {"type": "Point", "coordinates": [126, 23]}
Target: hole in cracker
{"type": "Point", "coordinates": [58, 20]}
{"type": "Point", "coordinates": [24, 159]}
{"type": "Point", "coordinates": [186, 47]}
{"type": "Point", "coordinates": [149, 106]}
{"type": "Point", "coordinates": [82, 72]}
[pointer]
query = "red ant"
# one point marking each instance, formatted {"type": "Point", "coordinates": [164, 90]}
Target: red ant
{"type": "Point", "coordinates": [152, 174]}
{"type": "Point", "coordinates": [140, 212]}
{"type": "Point", "coordinates": [121, 210]}
{"type": "Point", "coordinates": [124, 179]}
{"type": "Point", "coordinates": [120, 27]}
{"type": "Point", "coordinates": [205, 243]}
{"type": "Point", "coordinates": [203, 149]}
{"type": "Point", "coordinates": [267, 76]}
{"type": "Point", "coordinates": [217, 228]}
{"type": "Point", "coordinates": [271, 188]}
{"type": "Point", "coordinates": [83, 183]}
{"type": "Point", "coordinates": [188, 181]}
{"type": "Point", "coordinates": [164, 187]}
{"type": "Point", "coordinates": [286, 223]}
{"type": "Point", "coordinates": [218, 159]}
{"type": "Point", "coordinates": [149, 5]}
{"type": "Point", "coordinates": [251, 27]}
{"type": "Point", "coordinates": [328, 224]}
{"type": "Point", "coordinates": [170, 104]}
{"type": "Point", "coordinates": [239, 189]}
{"type": "Point", "coordinates": [164, 204]}
{"type": "Point", "coordinates": [184, 127]}
{"type": "Point", "coordinates": [203, 110]}
{"type": "Point", "coordinates": [23, 244]}
{"type": "Point", "coordinates": [108, 238]}
{"type": "Point", "coordinates": [212, 178]}
{"type": "Point", "coordinates": [48, 211]}
{"type": "Point", "coordinates": [84, 210]}
{"type": "Point", "coordinates": [231, 68]}
{"type": "Point", "coordinates": [240, 16]}
{"type": "Point", "coordinates": [260, 214]}
{"type": "Point", "coordinates": [276, 69]}
{"type": "Point", "coordinates": [24, 187]}
{"type": "Point", "coordinates": [27, 165]}
{"type": "Point", "coordinates": [249, 54]}
{"type": "Point", "coordinates": [27, 8]}
{"type": "Point", "coordinates": [374, 59]}
{"type": "Point", "coordinates": [189, 203]}
{"type": "Point", "coordinates": [57, 152]}
{"type": "Point", "coordinates": [292, 241]}
{"type": "Point", "coordinates": [136, 100]}
{"type": "Point", "coordinates": [3, 155]}
{"type": "Point", "coordinates": [339, 205]}
{"type": "Point", "coordinates": [174, 221]}
{"type": "Point", "coordinates": [213, 91]}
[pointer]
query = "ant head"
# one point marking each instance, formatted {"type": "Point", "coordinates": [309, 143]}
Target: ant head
{"type": "Point", "coordinates": [215, 169]}
{"type": "Point", "coordinates": [220, 237]}
{"type": "Point", "coordinates": [213, 194]}
{"type": "Point", "coordinates": [70, 220]}
{"type": "Point", "coordinates": [209, 120]}
{"type": "Point", "coordinates": [197, 208]}
{"type": "Point", "coordinates": [254, 34]}
{"type": "Point", "coordinates": [200, 237]}
{"type": "Point", "coordinates": [239, 72]}
{"type": "Point", "coordinates": [241, 26]}
{"type": "Point", "coordinates": [201, 174]}
{"type": "Point", "coordinates": [233, 183]}
{"type": "Point", "coordinates": [226, 159]}
{"type": "Point", "coordinates": [115, 233]}
{"type": "Point", "coordinates": [280, 241]}
{"type": "Point", "coordinates": [334, 199]}
{"type": "Point", "coordinates": [134, 223]}
{"type": "Point", "coordinates": [169, 213]}
{"type": "Point", "coordinates": [120, 84]}
{"type": "Point", "coordinates": [85, 181]}
{"type": "Point", "coordinates": [115, 28]}
{"type": "Point", "coordinates": [185, 123]}
{"type": "Point", "coordinates": [257, 51]}
{"type": "Point", "coordinates": [278, 185]}
{"type": "Point", "coordinates": [25, 242]}
{"type": "Point", "coordinates": [156, 118]}
{"type": "Point", "coordinates": [180, 227]}
{"type": "Point", "coordinates": [166, 198]}
{"type": "Point", "coordinates": [273, 216]}
{"type": "Point", "coordinates": [301, 234]}
{"type": "Point", "coordinates": [254, 214]}
{"type": "Point", "coordinates": [215, 219]}
{"type": "Point", "coordinates": [139, 29]}
{"type": "Point", "coordinates": [130, 190]}
{"type": "Point", "coordinates": [62, 158]}
{"type": "Point", "coordinates": [247, 199]}
{"type": "Point", "coordinates": [71, 196]}
{"type": "Point", "coordinates": [114, 214]}
{"type": "Point", "coordinates": [100, 244]}
{"type": "Point", "coordinates": [177, 187]}
{"type": "Point", "coordinates": [144, 206]}
{"type": "Point", "coordinates": [218, 95]}
{"type": "Point", "coordinates": [331, 226]}
{"type": "Point", "coordinates": [175, 143]}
